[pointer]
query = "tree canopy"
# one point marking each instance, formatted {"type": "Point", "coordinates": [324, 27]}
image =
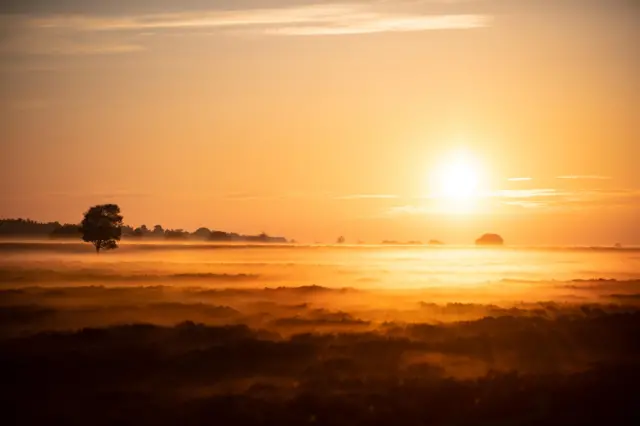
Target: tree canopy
{"type": "Point", "coordinates": [102, 226]}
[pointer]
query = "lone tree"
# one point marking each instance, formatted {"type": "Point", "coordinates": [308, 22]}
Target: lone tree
{"type": "Point", "coordinates": [102, 226]}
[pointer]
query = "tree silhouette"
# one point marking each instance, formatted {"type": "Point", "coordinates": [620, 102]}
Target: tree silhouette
{"type": "Point", "coordinates": [65, 231]}
{"type": "Point", "coordinates": [203, 233]}
{"type": "Point", "coordinates": [490, 240]}
{"type": "Point", "coordinates": [176, 234]}
{"type": "Point", "coordinates": [102, 226]}
{"type": "Point", "coordinates": [158, 231]}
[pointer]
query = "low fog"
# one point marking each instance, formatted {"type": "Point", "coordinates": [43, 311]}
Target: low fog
{"type": "Point", "coordinates": [157, 334]}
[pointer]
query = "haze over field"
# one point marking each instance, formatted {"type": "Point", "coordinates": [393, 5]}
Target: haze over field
{"type": "Point", "coordinates": [159, 333]}
{"type": "Point", "coordinates": [263, 285]}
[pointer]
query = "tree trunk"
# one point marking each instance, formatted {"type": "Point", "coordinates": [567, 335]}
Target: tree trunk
{"type": "Point", "coordinates": [97, 244]}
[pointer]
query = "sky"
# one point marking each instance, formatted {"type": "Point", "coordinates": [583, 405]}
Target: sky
{"type": "Point", "coordinates": [313, 119]}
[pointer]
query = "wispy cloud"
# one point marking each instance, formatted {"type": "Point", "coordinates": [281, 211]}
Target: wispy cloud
{"type": "Point", "coordinates": [568, 200]}
{"type": "Point", "coordinates": [409, 210]}
{"type": "Point", "coordinates": [70, 48]}
{"type": "Point", "coordinates": [525, 193]}
{"type": "Point", "coordinates": [584, 177]}
{"type": "Point", "coordinates": [82, 34]}
{"type": "Point", "coordinates": [367, 197]}
{"type": "Point", "coordinates": [539, 200]}
{"type": "Point", "coordinates": [22, 36]}
{"type": "Point", "coordinates": [519, 179]}
{"type": "Point", "coordinates": [381, 24]}
{"type": "Point", "coordinates": [524, 204]}
{"type": "Point", "coordinates": [315, 19]}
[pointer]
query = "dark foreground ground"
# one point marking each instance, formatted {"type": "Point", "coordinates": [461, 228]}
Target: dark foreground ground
{"type": "Point", "coordinates": [579, 367]}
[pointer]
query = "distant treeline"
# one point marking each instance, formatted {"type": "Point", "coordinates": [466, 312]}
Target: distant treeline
{"type": "Point", "coordinates": [54, 230]}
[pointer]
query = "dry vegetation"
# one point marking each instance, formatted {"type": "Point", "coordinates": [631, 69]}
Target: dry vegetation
{"type": "Point", "coordinates": [126, 340]}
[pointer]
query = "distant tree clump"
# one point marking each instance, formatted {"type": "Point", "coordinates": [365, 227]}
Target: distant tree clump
{"type": "Point", "coordinates": [202, 233]}
{"type": "Point", "coordinates": [127, 231]}
{"type": "Point", "coordinates": [54, 230]}
{"type": "Point", "coordinates": [176, 234]}
{"type": "Point", "coordinates": [340, 240]}
{"type": "Point", "coordinates": [220, 236]}
{"type": "Point", "coordinates": [263, 237]}
{"type": "Point", "coordinates": [490, 240]}
{"type": "Point", "coordinates": [26, 227]}
{"type": "Point", "coordinates": [102, 226]}
{"type": "Point", "coordinates": [66, 231]}
{"type": "Point", "coordinates": [158, 231]}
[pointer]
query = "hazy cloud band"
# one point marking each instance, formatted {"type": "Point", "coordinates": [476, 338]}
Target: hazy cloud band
{"type": "Point", "coordinates": [94, 34]}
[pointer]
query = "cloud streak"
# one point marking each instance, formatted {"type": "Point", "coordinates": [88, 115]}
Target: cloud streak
{"type": "Point", "coordinates": [539, 199]}
{"type": "Point", "coordinates": [84, 34]}
{"type": "Point", "coordinates": [318, 19]}
{"type": "Point", "coordinates": [568, 200]}
{"type": "Point", "coordinates": [368, 197]}
{"type": "Point", "coordinates": [23, 36]}
{"type": "Point", "coordinates": [526, 193]}
{"type": "Point", "coordinates": [584, 177]}
{"type": "Point", "coordinates": [380, 24]}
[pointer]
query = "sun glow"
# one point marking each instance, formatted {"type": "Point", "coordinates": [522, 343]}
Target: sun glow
{"type": "Point", "coordinates": [457, 181]}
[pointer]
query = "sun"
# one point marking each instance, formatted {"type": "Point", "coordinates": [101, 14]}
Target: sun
{"type": "Point", "coordinates": [457, 178]}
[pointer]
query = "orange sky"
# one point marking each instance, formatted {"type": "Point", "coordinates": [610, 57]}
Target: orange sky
{"type": "Point", "coordinates": [318, 119]}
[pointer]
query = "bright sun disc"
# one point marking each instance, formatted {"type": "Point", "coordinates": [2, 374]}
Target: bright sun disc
{"type": "Point", "coordinates": [457, 178]}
